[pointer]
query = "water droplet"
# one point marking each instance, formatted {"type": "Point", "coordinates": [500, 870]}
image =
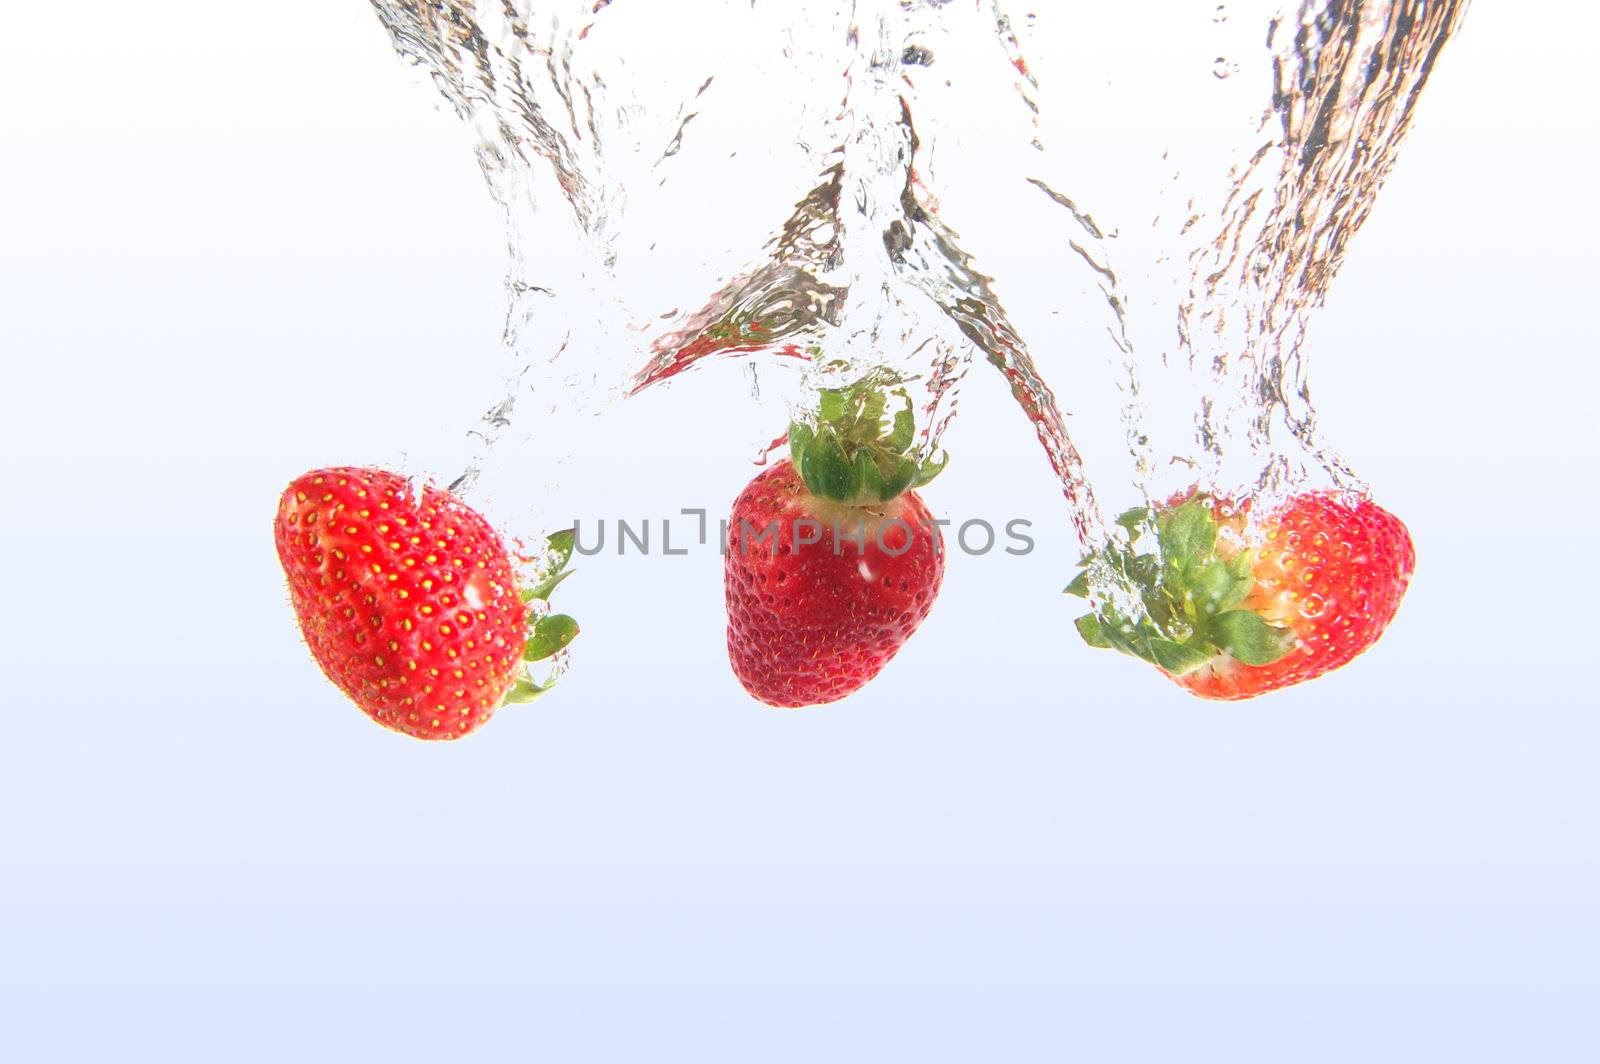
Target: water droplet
{"type": "Point", "coordinates": [1221, 68]}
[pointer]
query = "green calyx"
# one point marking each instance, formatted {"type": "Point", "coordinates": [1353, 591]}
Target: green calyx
{"type": "Point", "coordinates": [1190, 592]}
{"type": "Point", "coordinates": [549, 634]}
{"type": "Point", "coordinates": [858, 453]}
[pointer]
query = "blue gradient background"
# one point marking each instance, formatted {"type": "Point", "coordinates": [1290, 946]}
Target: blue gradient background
{"type": "Point", "coordinates": [1009, 848]}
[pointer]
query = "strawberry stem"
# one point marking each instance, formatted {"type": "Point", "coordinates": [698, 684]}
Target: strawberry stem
{"type": "Point", "coordinates": [549, 634]}
{"type": "Point", "coordinates": [1192, 595]}
{"type": "Point", "coordinates": [858, 453]}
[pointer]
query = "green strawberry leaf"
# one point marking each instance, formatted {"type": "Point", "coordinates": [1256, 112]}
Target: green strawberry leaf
{"type": "Point", "coordinates": [1133, 520]}
{"type": "Point", "coordinates": [1247, 638]}
{"type": "Point", "coordinates": [826, 470]}
{"type": "Point", "coordinates": [869, 479]}
{"type": "Point", "coordinates": [524, 691]}
{"type": "Point", "coordinates": [1179, 574]}
{"type": "Point", "coordinates": [1215, 588]}
{"type": "Point", "coordinates": [930, 469]}
{"type": "Point", "coordinates": [830, 405]}
{"type": "Point", "coordinates": [1188, 532]}
{"type": "Point", "coordinates": [550, 636]}
{"type": "Point", "coordinates": [555, 567]}
{"type": "Point", "coordinates": [1242, 567]}
{"type": "Point", "coordinates": [1242, 572]}
{"type": "Point", "coordinates": [905, 471]}
{"type": "Point", "coordinates": [561, 544]}
{"type": "Point", "coordinates": [1177, 658]}
{"type": "Point", "coordinates": [543, 588]}
{"type": "Point", "coordinates": [873, 405]}
{"type": "Point", "coordinates": [1079, 586]}
{"type": "Point", "coordinates": [800, 437]}
{"type": "Point", "coordinates": [1089, 628]}
{"type": "Point", "coordinates": [905, 430]}
{"type": "Point", "coordinates": [1113, 631]}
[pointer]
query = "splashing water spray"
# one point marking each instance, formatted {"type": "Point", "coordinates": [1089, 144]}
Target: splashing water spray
{"type": "Point", "coordinates": [1149, 209]}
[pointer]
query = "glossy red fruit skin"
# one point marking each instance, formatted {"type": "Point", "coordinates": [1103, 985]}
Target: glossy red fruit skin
{"type": "Point", "coordinates": [811, 624]}
{"type": "Point", "coordinates": [1332, 569]}
{"type": "Point", "coordinates": [407, 600]}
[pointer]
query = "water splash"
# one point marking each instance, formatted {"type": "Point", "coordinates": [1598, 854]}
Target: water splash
{"type": "Point", "coordinates": [1347, 78]}
{"type": "Point", "coordinates": [738, 179]}
{"type": "Point", "coordinates": [1211, 185]}
{"type": "Point", "coordinates": [859, 271]}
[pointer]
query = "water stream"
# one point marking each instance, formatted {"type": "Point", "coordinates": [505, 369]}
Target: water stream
{"type": "Point", "coordinates": [1143, 203]}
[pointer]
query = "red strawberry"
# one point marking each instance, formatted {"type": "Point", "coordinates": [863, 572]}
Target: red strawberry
{"type": "Point", "coordinates": [409, 602]}
{"type": "Point", "coordinates": [832, 561]}
{"type": "Point", "coordinates": [1234, 614]}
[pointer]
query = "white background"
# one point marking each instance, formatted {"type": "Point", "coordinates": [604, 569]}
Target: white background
{"type": "Point", "coordinates": [236, 243]}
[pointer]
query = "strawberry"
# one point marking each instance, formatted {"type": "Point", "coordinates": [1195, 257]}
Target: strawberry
{"type": "Point", "coordinates": [409, 600]}
{"type": "Point", "coordinates": [1233, 613]}
{"type": "Point", "coordinates": [833, 561]}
